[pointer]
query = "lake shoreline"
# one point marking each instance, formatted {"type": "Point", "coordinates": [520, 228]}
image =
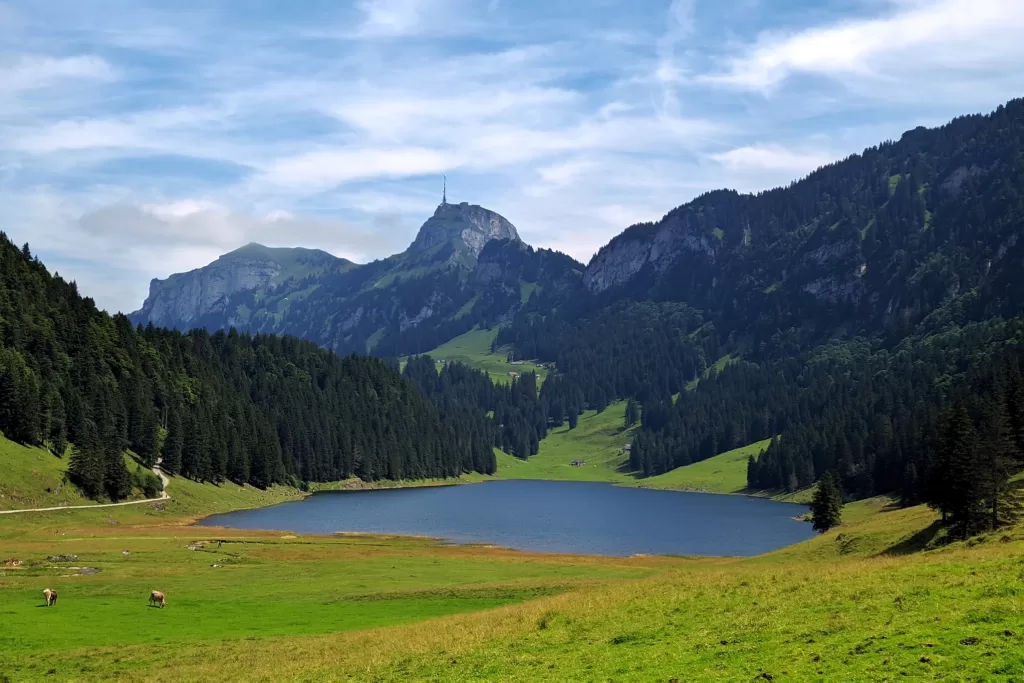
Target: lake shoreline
{"type": "Point", "coordinates": [357, 485]}
{"type": "Point", "coordinates": [539, 516]}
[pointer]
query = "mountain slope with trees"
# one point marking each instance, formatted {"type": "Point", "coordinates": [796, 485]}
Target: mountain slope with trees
{"type": "Point", "coordinates": [843, 317]}
{"type": "Point", "coordinates": [252, 409]}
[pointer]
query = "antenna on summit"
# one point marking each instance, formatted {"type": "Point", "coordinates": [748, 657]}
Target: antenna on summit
{"type": "Point", "coordinates": [444, 191]}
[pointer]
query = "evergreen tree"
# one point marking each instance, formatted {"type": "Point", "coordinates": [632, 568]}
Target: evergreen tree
{"type": "Point", "coordinates": [173, 442]}
{"type": "Point", "coordinates": [827, 505]}
{"type": "Point", "coordinates": [86, 468]}
{"type": "Point", "coordinates": [957, 479]}
{"type": "Point", "coordinates": [632, 413]}
{"type": "Point", "coordinates": [997, 462]}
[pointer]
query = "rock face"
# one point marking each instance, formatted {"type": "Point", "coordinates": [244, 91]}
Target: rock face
{"type": "Point", "coordinates": [660, 245]}
{"type": "Point", "coordinates": [185, 298]}
{"type": "Point", "coordinates": [466, 226]}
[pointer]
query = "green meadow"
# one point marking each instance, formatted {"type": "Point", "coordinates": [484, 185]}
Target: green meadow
{"type": "Point", "coordinates": [724, 473]}
{"type": "Point", "coordinates": [879, 598]}
{"type": "Point", "coordinates": [882, 597]}
{"type": "Point", "coordinates": [474, 349]}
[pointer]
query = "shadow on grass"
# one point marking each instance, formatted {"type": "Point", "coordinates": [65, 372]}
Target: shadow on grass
{"type": "Point", "coordinates": [624, 468]}
{"type": "Point", "coordinates": [915, 543]}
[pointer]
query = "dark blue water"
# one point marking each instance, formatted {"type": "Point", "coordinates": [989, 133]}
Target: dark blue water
{"type": "Point", "coordinates": [546, 516]}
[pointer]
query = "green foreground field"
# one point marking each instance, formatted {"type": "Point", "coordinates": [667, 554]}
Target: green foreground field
{"type": "Point", "coordinates": [866, 602]}
{"type": "Point", "coordinates": [876, 599]}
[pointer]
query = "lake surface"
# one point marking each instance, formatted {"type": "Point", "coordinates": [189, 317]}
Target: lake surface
{"type": "Point", "coordinates": [546, 516]}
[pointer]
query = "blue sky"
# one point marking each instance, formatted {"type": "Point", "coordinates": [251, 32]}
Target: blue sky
{"type": "Point", "coordinates": [140, 138]}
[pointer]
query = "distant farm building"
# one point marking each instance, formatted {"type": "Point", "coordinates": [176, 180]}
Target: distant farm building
{"type": "Point", "coordinates": [628, 447]}
{"type": "Point", "coordinates": [513, 374]}
{"type": "Point", "coordinates": [579, 463]}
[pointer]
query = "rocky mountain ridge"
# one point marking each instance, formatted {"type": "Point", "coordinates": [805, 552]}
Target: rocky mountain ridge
{"type": "Point", "coordinates": [465, 225]}
{"type": "Point", "coordinates": [185, 298]}
{"type": "Point", "coordinates": [454, 274]}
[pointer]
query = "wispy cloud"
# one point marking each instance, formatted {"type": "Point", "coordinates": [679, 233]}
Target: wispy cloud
{"type": "Point", "coordinates": [961, 38]}
{"type": "Point", "coordinates": [32, 72]}
{"type": "Point", "coordinates": [392, 17]}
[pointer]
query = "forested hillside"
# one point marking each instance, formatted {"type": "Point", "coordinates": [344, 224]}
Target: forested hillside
{"type": "Point", "coordinates": [505, 416]}
{"type": "Point", "coordinates": [257, 409]}
{"type": "Point", "coordinates": [852, 317]}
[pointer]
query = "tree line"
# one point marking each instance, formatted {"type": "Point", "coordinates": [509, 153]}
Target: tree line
{"type": "Point", "coordinates": [252, 409]}
{"type": "Point", "coordinates": [511, 417]}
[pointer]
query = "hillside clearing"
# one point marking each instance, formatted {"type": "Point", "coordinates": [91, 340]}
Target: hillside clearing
{"type": "Point", "coordinates": [474, 349]}
{"type": "Point", "coordinates": [724, 473]}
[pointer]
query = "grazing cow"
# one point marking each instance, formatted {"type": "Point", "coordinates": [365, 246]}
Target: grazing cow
{"type": "Point", "coordinates": [50, 597]}
{"type": "Point", "coordinates": [157, 598]}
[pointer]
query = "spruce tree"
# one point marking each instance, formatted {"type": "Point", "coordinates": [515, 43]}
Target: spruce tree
{"type": "Point", "coordinates": [998, 459]}
{"type": "Point", "coordinates": [632, 413]}
{"type": "Point", "coordinates": [173, 442]}
{"type": "Point", "coordinates": [827, 505]}
{"type": "Point", "coordinates": [86, 466]}
{"type": "Point", "coordinates": [962, 493]}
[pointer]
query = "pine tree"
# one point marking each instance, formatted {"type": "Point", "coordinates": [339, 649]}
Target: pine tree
{"type": "Point", "coordinates": [173, 442]}
{"type": "Point", "coordinates": [997, 460]}
{"type": "Point", "coordinates": [632, 413]}
{"type": "Point", "coordinates": [117, 481]}
{"type": "Point", "coordinates": [827, 505]}
{"type": "Point", "coordinates": [86, 466]}
{"type": "Point", "coordinates": [956, 477]}
{"type": "Point", "coordinates": [148, 445]}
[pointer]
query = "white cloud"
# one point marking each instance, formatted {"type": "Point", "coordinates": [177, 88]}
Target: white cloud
{"type": "Point", "coordinates": [961, 36]}
{"type": "Point", "coordinates": [80, 135]}
{"type": "Point", "coordinates": [772, 158]}
{"type": "Point", "coordinates": [398, 18]}
{"type": "Point", "coordinates": [203, 223]}
{"type": "Point", "coordinates": [668, 72]}
{"type": "Point", "coordinates": [32, 72]}
{"type": "Point", "coordinates": [392, 17]}
{"type": "Point", "coordinates": [314, 172]}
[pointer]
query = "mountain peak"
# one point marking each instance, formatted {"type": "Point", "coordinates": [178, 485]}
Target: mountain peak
{"type": "Point", "coordinates": [466, 226]}
{"type": "Point", "coordinates": [257, 250]}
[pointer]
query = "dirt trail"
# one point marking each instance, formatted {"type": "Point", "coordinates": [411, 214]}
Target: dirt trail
{"type": "Point", "coordinates": [163, 496]}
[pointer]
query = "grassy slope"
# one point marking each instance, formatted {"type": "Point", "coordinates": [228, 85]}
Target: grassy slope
{"type": "Point", "coordinates": [718, 366]}
{"type": "Point", "coordinates": [598, 439]}
{"type": "Point", "coordinates": [724, 473]}
{"type": "Point", "coordinates": [33, 477]}
{"type": "Point", "coordinates": [474, 348]}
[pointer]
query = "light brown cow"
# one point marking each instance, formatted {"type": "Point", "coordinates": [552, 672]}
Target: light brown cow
{"type": "Point", "coordinates": [50, 596]}
{"type": "Point", "coordinates": [157, 598]}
